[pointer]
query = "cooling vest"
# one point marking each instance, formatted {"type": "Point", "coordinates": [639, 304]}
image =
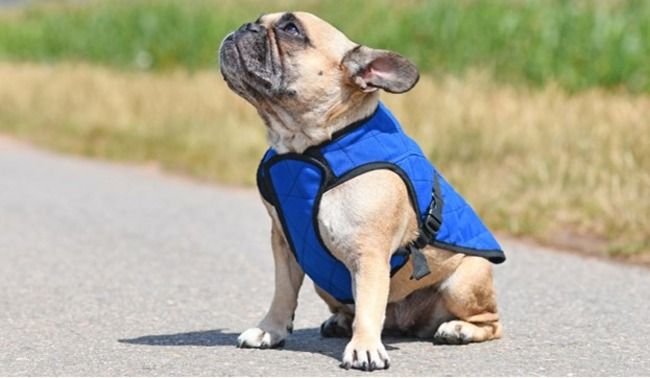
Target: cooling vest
{"type": "Point", "coordinates": [294, 184]}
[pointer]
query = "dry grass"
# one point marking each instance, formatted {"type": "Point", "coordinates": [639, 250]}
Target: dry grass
{"type": "Point", "coordinates": [185, 123]}
{"type": "Point", "coordinates": [537, 163]}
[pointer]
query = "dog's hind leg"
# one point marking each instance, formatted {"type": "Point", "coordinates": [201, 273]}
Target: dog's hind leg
{"type": "Point", "coordinates": [278, 322]}
{"type": "Point", "coordinates": [340, 323]}
{"type": "Point", "coordinates": [468, 295]}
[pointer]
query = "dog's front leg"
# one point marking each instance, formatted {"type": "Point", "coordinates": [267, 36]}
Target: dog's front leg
{"type": "Point", "coordinates": [362, 226]}
{"type": "Point", "coordinates": [274, 328]}
{"type": "Point", "coordinates": [371, 279]}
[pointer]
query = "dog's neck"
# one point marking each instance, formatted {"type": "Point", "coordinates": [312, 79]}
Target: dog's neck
{"type": "Point", "coordinates": [288, 133]}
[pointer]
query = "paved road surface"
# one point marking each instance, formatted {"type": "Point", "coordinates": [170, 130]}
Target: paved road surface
{"type": "Point", "coordinates": [114, 270]}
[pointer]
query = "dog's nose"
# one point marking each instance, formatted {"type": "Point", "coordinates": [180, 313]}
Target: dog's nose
{"type": "Point", "coordinates": [250, 27]}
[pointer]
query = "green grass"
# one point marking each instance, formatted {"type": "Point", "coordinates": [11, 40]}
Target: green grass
{"type": "Point", "coordinates": [578, 44]}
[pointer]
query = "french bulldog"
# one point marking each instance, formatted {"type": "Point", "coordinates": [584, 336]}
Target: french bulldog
{"type": "Point", "coordinates": [309, 83]}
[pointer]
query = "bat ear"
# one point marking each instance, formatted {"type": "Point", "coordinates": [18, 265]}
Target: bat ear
{"type": "Point", "coordinates": [372, 69]}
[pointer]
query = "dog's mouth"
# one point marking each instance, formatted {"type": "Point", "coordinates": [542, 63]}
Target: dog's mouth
{"type": "Point", "coordinates": [247, 63]}
{"type": "Point", "coordinates": [230, 62]}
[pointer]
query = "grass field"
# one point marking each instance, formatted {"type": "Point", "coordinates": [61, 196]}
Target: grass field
{"type": "Point", "coordinates": [540, 163]}
{"type": "Point", "coordinates": [578, 44]}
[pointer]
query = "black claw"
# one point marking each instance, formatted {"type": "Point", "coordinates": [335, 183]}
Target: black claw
{"type": "Point", "coordinates": [364, 366]}
{"type": "Point", "coordinates": [386, 364]}
{"type": "Point", "coordinates": [345, 365]}
{"type": "Point", "coordinates": [373, 365]}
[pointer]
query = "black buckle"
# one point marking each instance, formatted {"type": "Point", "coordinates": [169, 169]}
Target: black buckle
{"type": "Point", "coordinates": [428, 231]}
{"type": "Point", "coordinates": [433, 219]}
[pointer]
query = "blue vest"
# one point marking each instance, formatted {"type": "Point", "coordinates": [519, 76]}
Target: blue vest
{"type": "Point", "coordinates": [294, 184]}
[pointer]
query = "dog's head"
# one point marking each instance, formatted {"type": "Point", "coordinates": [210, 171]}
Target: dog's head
{"type": "Point", "coordinates": [306, 78]}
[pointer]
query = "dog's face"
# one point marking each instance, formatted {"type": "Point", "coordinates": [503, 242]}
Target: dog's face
{"type": "Point", "coordinates": [289, 58]}
{"type": "Point", "coordinates": [302, 73]}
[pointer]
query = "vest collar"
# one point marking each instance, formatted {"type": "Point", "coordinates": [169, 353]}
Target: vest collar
{"type": "Point", "coordinates": [379, 112]}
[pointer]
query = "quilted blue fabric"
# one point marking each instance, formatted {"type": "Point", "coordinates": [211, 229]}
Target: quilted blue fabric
{"type": "Point", "coordinates": [294, 183]}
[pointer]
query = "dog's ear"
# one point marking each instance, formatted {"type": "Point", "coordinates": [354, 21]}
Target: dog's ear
{"type": "Point", "coordinates": [371, 69]}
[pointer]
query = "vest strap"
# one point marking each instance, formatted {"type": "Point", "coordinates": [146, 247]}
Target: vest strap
{"type": "Point", "coordinates": [428, 231]}
{"type": "Point", "coordinates": [420, 266]}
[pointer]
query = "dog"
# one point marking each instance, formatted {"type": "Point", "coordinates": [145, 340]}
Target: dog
{"type": "Point", "coordinates": [384, 239]}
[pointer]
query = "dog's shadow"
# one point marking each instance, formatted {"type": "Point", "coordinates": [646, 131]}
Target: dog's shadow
{"type": "Point", "coordinates": [306, 340]}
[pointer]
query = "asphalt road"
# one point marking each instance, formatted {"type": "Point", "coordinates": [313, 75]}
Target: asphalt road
{"type": "Point", "coordinates": [115, 270]}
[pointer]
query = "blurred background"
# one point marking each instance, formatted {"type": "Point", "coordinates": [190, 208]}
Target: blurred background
{"type": "Point", "coordinates": [538, 111]}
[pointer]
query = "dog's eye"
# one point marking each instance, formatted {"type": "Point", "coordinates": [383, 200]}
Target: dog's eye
{"type": "Point", "coordinates": [291, 28]}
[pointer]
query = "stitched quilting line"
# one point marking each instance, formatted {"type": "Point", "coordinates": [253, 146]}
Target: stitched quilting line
{"type": "Point", "coordinates": [297, 196]}
{"type": "Point", "coordinates": [304, 240]}
{"type": "Point", "coordinates": [380, 143]}
{"type": "Point", "coordinates": [482, 234]}
{"type": "Point", "coordinates": [291, 193]}
{"type": "Point", "coordinates": [295, 177]}
{"type": "Point", "coordinates": [367, 132]}
{"type": "Point", "coordinates": [341, 149]}
{"type": "Point", "coordinates": [412, 173]}
{"type": "Point", "coordinates": [345, 151]}
{"type": "Point", "coordinates": [460, 214]}
{"type": "Point", "coordinates": [355, 137]}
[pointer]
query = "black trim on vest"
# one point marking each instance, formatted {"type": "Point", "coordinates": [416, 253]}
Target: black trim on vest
{"type": "Point", "coordinates": [341, 133]}
{"type": "Point", "coordinates": [318, 155]}
{"type": "Point", "coordinates": [262, 184]}
{"type": "Point", "coordinates": [381, 165]}
{"type": "Point", "coordinates": [495, 256]}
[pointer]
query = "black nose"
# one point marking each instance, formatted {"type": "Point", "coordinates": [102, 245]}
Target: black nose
{"type": "Point", "coordinates": [251, 27]}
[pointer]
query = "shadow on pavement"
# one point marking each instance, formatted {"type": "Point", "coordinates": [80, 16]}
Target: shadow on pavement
{"type": "Point", "coordinates": [302, 340]}
{"type": "Point", "coordinates": [214, 337]}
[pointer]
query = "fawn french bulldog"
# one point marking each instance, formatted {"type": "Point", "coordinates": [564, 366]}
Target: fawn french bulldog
{"type": "Point", "coordinates": [389, 244]}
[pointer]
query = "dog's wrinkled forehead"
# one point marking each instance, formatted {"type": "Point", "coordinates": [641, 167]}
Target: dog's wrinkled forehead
{"type": "Point", "coordinates": [320, 35]}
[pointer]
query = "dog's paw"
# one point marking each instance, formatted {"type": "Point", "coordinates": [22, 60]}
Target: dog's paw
{"type": "Point", "coordinates": [338, 325]}
{"type": "Point", "coordinates": [454, 332]}
{"type": "Point", "coordinates": [258, 338]}
{"type": "Point", "coordinates": [366, 356]}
